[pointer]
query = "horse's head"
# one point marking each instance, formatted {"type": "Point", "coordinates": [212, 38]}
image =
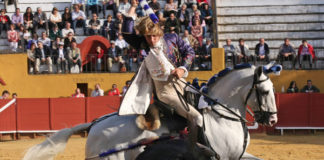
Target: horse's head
{"type": "Point", "coordinates": [261, 96]}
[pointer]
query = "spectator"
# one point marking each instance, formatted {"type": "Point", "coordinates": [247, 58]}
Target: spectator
{"type": "Point", "coordinates": [118, 23]}
{"type": "Point", "coordinates": [242, 52]}
{"type": "Point", "coordinates": [197, 31]}
{"type": "Point", "coordinates": [79, 19]}
{"type": "Point", "coordinates": [114, 55]}
{"type": "Point", "coordinates": [55, 19]}
{"type": "Point", "coordinates": [80, 3]}
{"type": "Point", "coordinates": [113, 91]}
{"type": "Point", "coordinates": [28, 18]}
{"type": "Point", "coordinates": [69, 40]}
{"type": "Point", "coordinates": [24, 37]}
{"type": "Point", "coordinates": [124, 7]}
{"type": "Point", "coordinates": [170, 7]}
{"type": "Point", "coordinates": [287, 52]}
{"type": "Point", "coordinates": [201, 3]}
{"type": "Point", "coordinates": [94, 24]}
{"type": "Point", "coordinates": [122, 44]}
{"type": "Point", "coordinates": [98, 91]}
{"type": "Point", "coordinates": [310, 88]}
{"type": "Point", "coordinates": [74, 56]}
{"type": "Point", "coordinates": [62, 58]}
{"type": "Point", "coordinates": [172, 24]}
{"type": "Point", "coordinates": [109, 4]}
{"type": "Point", "coordinates": [31, 58]}
{"type": "Point", "coordinates": [197, 16]}
{"type": "Point", "coordinates": [17, 18]}
{"type": "Point", "coordinates": [43, 54]}
{"type": "Point", "coordinates": [108, 29]}
{"type": "Point", "coordinates": [132, 58]}
{"type": "Point", "coordinates": [66, 16]}
{"type": "Point", "coordinates": [99, 53]}
{"type": "Point", "coordinates": [189, 3]}
{"type": "Point", "coordinates": [5, 3]}
{"type": "Point", "coordinates": [306, 50]}
{"type": "Point", "coordinates": [139, 10]}
{"type": "Point", "coordinates": [155, 5]}
{"type": "Point", "coordinates": [229, 51]}
{"type": "Point", "coordinates": [194, 9]}
{"type": "Point", "coordinates": [262, 51]}
{"type": "Point", "coordinates": [189, 39]}
{"type": "Point", "coordinates": [55, 45]}
{"type": "Point", "coordinates": [183, 16]}
{"type": "Point", "coordinates": [54, 33]}
{"type": "Point", "coordinates": [5, 94]}
{"type": "Point", "coordinates": [40, 20]}
{"type": "Point", "coordinates": [125, 88]}
{"type": "Point", "coordinates": [292, 87]}
{"type": "Point", "coordinates": [198, 54]}
{"type": "Point", "coordinates": [14, 95]}
{"type": "Point", "coordinates": [33, 40]}
{"type": "Point", "coordinates": [13, 38]}
{"type": "Point", "coordinates": [206, 53]}
{"type": "Point", "coordinates": [67, 30]}
{"type": "Point", "coordinates": [4, 21]}
{"type": "Point", "coordinates": [45, 40]}
{"type": "Point", "coordinates": [92, 5]}
{"type": "Point", "coordinates": [78, 94]}
{"type": "Point", "coordinates": [206, 14]}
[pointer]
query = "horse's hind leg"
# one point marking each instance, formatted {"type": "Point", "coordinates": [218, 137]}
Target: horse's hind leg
{"type": "Point", "coordinates": [248, 156]}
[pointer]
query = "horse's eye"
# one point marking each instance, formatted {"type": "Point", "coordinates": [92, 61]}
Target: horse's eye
{"type": "Point", "coordinates": [265, 92]}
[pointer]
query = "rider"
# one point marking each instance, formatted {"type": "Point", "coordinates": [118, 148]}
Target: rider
{"type": "Point", "coordinates": [168, 62]}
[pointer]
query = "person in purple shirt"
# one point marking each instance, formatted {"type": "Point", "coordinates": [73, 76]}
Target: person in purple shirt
{"type": "Point", "coordinates": [17, 19]}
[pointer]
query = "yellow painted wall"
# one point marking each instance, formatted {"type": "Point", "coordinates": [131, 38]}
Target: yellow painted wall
{"type": "Point", "coordinates": [13, 70]}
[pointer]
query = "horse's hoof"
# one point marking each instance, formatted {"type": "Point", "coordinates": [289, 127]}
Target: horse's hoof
{"type": "Point", "coordinates": [140, 122]}
{"type": "Point", "coordinates": [156, 125]}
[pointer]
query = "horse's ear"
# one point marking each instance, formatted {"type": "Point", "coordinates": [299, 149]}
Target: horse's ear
{"type": "Point", "coordinates": [258, 72]}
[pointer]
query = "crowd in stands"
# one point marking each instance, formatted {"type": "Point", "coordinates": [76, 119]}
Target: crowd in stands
{"type": "Point", "coordinates": [114, 91]}
{"type": "Point", "coordinates": [287, 52]}
{"type": "Point", "coordinates": [308, 88]}
{"type": "Point", "coordinates": [191, 24]}
{"type": "Point", "coordinates": [6, 95]}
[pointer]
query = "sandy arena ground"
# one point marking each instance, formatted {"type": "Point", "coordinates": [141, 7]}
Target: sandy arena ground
{"type": "Point", "coordinates": [287, 147]}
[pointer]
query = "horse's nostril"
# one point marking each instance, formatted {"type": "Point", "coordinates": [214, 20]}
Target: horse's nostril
{"type": "Point", "coordinates": [272, 122]}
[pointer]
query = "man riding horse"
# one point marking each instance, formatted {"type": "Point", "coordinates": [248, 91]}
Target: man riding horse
{"type": "Point", "coordinates": [162, 71]}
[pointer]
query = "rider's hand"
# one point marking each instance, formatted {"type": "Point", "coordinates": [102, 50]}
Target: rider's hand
{"type": "Point", "coordinates": [178, 72]}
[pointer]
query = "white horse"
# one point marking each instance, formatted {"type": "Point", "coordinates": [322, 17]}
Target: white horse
{"type": "Point", "coordinates": [226, 136]}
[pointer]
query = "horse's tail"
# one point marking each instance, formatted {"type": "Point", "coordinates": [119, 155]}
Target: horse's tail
{"type": "Point", "coordinates": [54, 144]}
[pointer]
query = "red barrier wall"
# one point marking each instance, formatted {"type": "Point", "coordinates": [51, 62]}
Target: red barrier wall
{"type": "Point", "coordinates": [8, 117]}
{"type": "Point", "coordinates": [99, 106]}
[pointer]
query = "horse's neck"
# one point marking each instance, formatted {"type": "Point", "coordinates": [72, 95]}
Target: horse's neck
{"type": "Point", "coordinates": [232, 89]}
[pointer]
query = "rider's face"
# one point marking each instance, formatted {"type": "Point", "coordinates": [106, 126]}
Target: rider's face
{"type": "Point", "coordinates": [152, 40]}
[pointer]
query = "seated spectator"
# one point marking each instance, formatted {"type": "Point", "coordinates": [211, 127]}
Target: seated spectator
{"type": "Point", "coordinates": [14, 95]}
{"type": "Point", "coordinates": [310, 88]}
{"type": "Point", "coordinates": [33, 40]}
{"type": "Point", "coordinates": [183, 16]}
{"type": "Point", "coordinates": [124, 6]}
{"type": "Point", "coordinates": [229, 51]}
{"type": "Point", "coordinates": [109, 4]}
{"type": "Point", "coordinates": [125, 88]}
{"type": "Point", "coordinates": [4, 21]}
{"type": "Point", "coordinates": [28, 19]}
{"type": "Point", "coordinates": [69, 40]}
{"type": "Point", "coordinates": [197, 31]}
{"type": "Point", "coordinates": [79, 19]}
{"type": "Point", "coordinates": [189, 39]}
{"type": "Point", "coordinates": [113, 91]}
{"type": "Point", "coordinates": [66, 16]}
{"type": "Point", "coordinates": [206, 53]}
{"type": "Point", "coordinates": [162, 20]}
{"type": "Point", "coordinates": [43, 55]}
{"type": "Point", "coordinates": [206, 14]}
{"type": "Point", "coordinates": [139, 10]}
{"type": "Point", "coordinates": [287, 52]}
{"type": "Point", "coordinates": [155, 5]}
{"type": "Point", "coordinates": [121, 43]}
{"type": "Point", "coordinates": [78, 94]}
{"type": "Point", "coordinates": [13, 38]}
{"type": "Point", "coordinates": [17, 18]}
{"type": "Point", "coordinates": [80, 3]}
{"type": "Point", "coordinates": [31, 58]}
{"type": "Point", "coordinates": [98, 57]}
{"type": "Point", "coordinates": [108, 29]}
{"type": "Point", "coordinates": [197, 16]}
{"type": "Point", "coordinates": [67, 30]}
{"type": "Point", "coordinates": [55, 45]}
{"type": "Point", "coordinates": [24, 37]}
{"type": "Point", "coordinates": [45, 40]}
{"type": "Point", "coordinates": [55, 19]}
{"type": "Point", "coordinates": [118, 23]}
{"type": "Point", "coordinates": [92, 5]}
{"type": "Point", "coordinates": [40, 20]}
{"type": "Point", "coordinates": [5, 95]}
{"type": "Point", "coordinates": [242, 51]}
{"type": "Point", "coordinates": [262, 51]}
{"type": "Point", "coordinates": [54, 33]}
{"type": "Point", "coordinates": [114, 55]}
{"type": "Point", "coordinates": [170, 7]}
{"type": "Point", "coordinates": [292, 87]}
{"type": "Point", "coordinates": [61, 58]}
{"type": "Point", "coordinates": [198, 53]}
{"type": "Point", "coordinates": [189, 3]}
{"type": "Point", "coordinates": [97, 91]}
{"type": "Point", "coordinates": [94, 24]}
{"type": "Point", "coordinates": [201, 3]}
{"type": "Point", "coordinates": [194, 9]}
{"type": "Point", "coordinates": [74, 56]}
{"type": "Point", "coordinates": [172, 24]}
{"type": "Point", "coordinates": [306, 50]}
{"type": "Point", "coordinates": [132, 58]}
